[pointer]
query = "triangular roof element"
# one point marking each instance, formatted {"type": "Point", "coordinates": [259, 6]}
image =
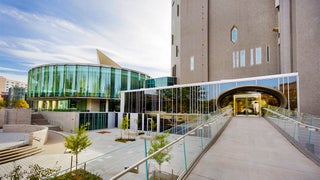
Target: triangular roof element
{"type": "Point", "coordinates": [105, 60]}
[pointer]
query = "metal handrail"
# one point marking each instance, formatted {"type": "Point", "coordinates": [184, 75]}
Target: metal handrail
{"type": "Point", "coordinates": [309, 127]}
{"type": "Point", "coordinates": [130, 168]}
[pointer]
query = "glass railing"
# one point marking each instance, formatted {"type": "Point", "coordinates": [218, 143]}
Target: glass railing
{"type": "Point", "coordinates": [184, 150]}
{"type": "Point", "coordinates": [301, 129]}
{"type": "Point", "coordinates": [131, 161]}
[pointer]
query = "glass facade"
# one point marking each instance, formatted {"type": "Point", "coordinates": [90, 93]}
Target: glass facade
{"type": "Point", "coordinates": [95, 120]}
{"type": "Point", "coordinates": [71, 84]}
{"type": "Point", "coordinates": [161, 82]}
{"type": "Point", "coordinates": [175, 105]}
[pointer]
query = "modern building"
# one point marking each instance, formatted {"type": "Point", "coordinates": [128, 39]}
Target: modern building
{"type": "Point", "coordinates": [6, 84]}
{"type": "Point", "coordinates": [214, 40]}
{"type": "Point", "coordinates": [81, 87]}
{"type": "Point", "coordinates": [189, 103]}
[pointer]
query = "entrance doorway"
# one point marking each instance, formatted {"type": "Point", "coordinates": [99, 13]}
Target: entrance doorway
{"type": "Point", "coordinates": [247, 104]}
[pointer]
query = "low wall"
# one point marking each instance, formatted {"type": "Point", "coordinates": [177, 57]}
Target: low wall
{"type": "Point", "coordinates": [38, 135]}
{"type": "Point", "coordinates": [2, 117]}
{"type": "Point", "coordinates": [67, 121]}
{"type": "Point", "coordinates": [15, 116]}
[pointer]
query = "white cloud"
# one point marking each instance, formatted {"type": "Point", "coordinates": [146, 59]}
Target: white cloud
{"type": "Point", "coordinates": [139, 39]}
{"type": "Point", "coordinates": [9, 69]}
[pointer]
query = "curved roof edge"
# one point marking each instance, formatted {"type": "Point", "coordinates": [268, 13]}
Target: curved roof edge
{"type": "Point", "coordinates": [251, 88]}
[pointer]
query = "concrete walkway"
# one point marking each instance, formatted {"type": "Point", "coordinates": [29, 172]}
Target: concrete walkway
{"type": "Point", "coordinates": [250, 148]}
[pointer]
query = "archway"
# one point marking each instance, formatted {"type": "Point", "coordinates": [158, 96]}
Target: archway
{"type": "Point", "coordinates": [244, 99]}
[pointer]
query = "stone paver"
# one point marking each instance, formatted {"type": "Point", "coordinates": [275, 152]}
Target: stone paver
{"type": "Point", "coordinates": [250, 148]}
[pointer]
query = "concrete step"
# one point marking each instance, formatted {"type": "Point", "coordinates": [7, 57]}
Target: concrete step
{"type": "Point", "coordinates": [40, 122]}
{"type": "Point", "coordinates": [37, 116]}
{"type": "Point", "coordinates": [9, 150]}
{"type": "Point", "coordinates": [18, 153]}
{"type": "Point", "coordinates": [38, 119]}
{"type": "Point", "coordinates": [54, 128]}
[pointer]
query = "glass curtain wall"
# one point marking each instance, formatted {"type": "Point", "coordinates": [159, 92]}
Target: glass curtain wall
{"type": "Point", "coordinates": [68, 82]}
{"type": "Point", "coordinates": [82, 81]}
{"type": "Point", "coordinates": [181, 104]}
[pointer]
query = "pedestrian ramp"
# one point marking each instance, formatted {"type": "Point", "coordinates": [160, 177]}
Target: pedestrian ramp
{"type": "Point", "coordinates": [251, 148]}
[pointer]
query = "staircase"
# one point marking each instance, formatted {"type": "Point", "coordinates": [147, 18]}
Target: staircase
{"type": "Point", "coordinates": [38, 119]}
{"type": "Point", "coordinates": [9, 155]}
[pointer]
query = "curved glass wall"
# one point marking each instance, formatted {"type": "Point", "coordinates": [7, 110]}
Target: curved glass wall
{"type": "Point", "coordinates": [82, 81]}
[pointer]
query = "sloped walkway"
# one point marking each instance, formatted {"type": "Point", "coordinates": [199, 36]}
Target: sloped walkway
{"type": "Point", "coordinates": [250, 148]}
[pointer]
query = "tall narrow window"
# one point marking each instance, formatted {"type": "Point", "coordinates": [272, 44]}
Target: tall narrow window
{"type": "Point", "coordinates": [234, 34]}
{"type": "Point", "coordinates": [177, 51]}
{"type": "Point", "coordinates": [174, 70]}
{"type": "Point", "coordinates": [178, 10]}
{"type": "Point", "coordinates": [242, 58]}
{"type": "Point", "coordinates": [237, 59]}
{"type": "Point", "coordinates": [251, 57]}
{"type": "Point", "coordinates": [234, 59]}
{"type": "Point", "coordinates": [191, 63]}
{"type": "Point", "coordinates": [258, 55]}
{"type": "Point", "coordinates": [268, 54]}
{"type": "Point", "coordinates": [172, 39]}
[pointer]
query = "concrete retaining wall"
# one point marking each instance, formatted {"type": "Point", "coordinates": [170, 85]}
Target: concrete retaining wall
{"type": "Point", "coordinates": [66, 120]}
{"type": "Point", "coordinates": [15, 116]}
{"type": "Point", "coordinates": [2, 117]}
{"type": "Point", "coordinates": [38, 135]}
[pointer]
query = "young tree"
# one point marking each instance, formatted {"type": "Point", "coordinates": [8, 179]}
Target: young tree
{"type": "Point", "coordinates": [21, 104]}
{"type": "Point", "coordinates": [2, 103]}
{"type": "Point", "coordinates": [153, 125]}
{"type": "Point", "coordinates": [160, 140]}
{"type": "Point", "coordinates": [124, 125]}
{"type": "Point", "coordinates": [78, 142]}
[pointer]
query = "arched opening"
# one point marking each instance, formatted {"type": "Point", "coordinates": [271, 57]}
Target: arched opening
{"type": "Point", "coordinates": [248, 100]}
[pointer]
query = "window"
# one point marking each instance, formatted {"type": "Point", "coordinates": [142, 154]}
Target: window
{"type": "Point", "coordinates": [172, 39]}
{"type": "Point", "coordinates": [178, 10]}
{"type": "Point", "coordinates": [174, 70]}
{"type": "Point", "coordinates": [251, 57]}
{"type": "Point", "coordinates": [233, 59]}
{"type": "Point", "coordinates": [258, 55]}
{"type": "Point", "coordinates": [237, 59]}
{"type": "Point", "coordinates": [242, 58]}
{"type": "Point", "coordinates": [268, 54]}
{"type": "Point", "coordinates": [177, 51]}
{"type": "Point", "coordinates": [191, 63]}
{"type": "Point", "coordinates": [234, 34]}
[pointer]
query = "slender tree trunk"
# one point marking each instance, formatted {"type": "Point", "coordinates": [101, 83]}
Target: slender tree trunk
{"type": "Point", "coordinates": [77, 165]}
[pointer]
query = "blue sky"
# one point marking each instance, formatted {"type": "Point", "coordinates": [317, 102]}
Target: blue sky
{"type": "Point", "coordinates": [134, 33]}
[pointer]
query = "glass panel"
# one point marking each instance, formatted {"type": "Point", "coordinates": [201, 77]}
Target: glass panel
{"type": "Point", "coordinates": [124, 79]}
{"type": "Point", "coordinates": [58, 81]}
{"type": "Point", "coordinates": [226, 86]}
{"type": "Point", "coordinates": [242, 58]}
{"type": "Point", "coordinates": [192, 63]}
{"type": "Point", "coordinates": [50, 81]}
{"type": "Point", "coordinates": [243, 83]}
{"type": "Point", "coordinates": [258, 55]}
{"type": "Point", "coordinates": [251, 57]}
{"type": "Point", "coordinates": [272, 83]}
{"type": "Point", "coordinates": [82, 81]}
{"type": "Point", "coordinates": [93, 81]}
{"type": "Point", "coordinates": [105, 82]}
{"type": "Point", "coordinates": [293, 93]}
{"type": "Point", "coordinates": [115, 82]}
{"type": "Point", "coordinates": [70, 79]}
{"type": "Point", "coordinates": [43, 82]}
{"type": "Point", "coordinates": [134, 83]}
